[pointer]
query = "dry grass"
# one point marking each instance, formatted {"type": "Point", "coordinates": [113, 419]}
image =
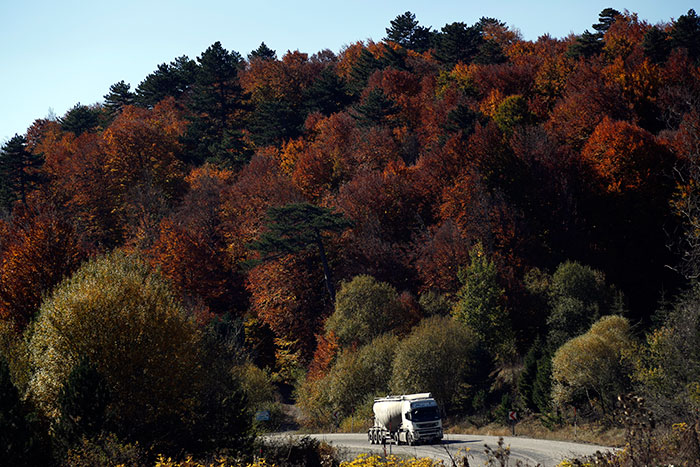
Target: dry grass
{"type": "Point", "coordinates": [532, 427]}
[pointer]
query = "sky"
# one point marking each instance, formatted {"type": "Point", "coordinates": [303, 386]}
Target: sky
{"type": "Point", "coordinates": [55, 54]}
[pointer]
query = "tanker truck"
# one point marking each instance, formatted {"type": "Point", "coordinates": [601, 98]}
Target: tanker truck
{"type": "Point", "coordinates": [410, 419]}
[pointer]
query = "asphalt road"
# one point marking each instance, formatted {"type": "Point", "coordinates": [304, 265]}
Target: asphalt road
{"type": "Point", "coordinates": [530, 451]}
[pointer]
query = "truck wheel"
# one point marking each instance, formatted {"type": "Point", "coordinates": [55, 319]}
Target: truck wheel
{"type": "Point", "coordinates": [409, 439]}
{"type": "Point", "coordinates": [369, 437]}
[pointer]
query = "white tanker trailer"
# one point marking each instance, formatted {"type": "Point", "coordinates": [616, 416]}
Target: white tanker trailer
{"type": "Point", "coordinates": [410, 419]}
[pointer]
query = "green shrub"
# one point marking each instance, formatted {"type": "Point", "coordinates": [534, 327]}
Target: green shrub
{"type": "Point", "coordinates": [438, 356]}
{"type": "Point", "coordinates": [364, 309]}
{"type": "Point", "coordinates": [105, 450]}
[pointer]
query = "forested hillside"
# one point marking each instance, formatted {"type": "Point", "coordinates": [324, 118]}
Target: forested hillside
{"type": "Point", "coordinates": [507, 224]}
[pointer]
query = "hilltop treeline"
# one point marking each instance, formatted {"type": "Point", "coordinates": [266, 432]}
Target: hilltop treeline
{"type": "Point", "coordinates": [498, 221]}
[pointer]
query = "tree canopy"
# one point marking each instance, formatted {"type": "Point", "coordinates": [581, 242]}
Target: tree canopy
{"type": "Point", "coordinates": [123, 318]}
{"type": "Point", "coordinates": [364, 309]}
{"type": "Point", "coordinates": [296, 227]}
{"type": "Point", "coordinates": [459, 185]}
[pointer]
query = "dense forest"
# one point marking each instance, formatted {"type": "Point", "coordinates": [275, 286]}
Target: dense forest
{"type": "Point", "coordinates": [507, 224]}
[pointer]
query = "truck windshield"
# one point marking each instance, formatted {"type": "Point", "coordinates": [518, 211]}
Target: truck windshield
{"type": "Point", "coordinates": [425, 414]}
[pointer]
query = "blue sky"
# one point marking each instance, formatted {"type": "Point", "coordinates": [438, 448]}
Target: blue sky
{"type": "Point", "coordinates": [55, 54]}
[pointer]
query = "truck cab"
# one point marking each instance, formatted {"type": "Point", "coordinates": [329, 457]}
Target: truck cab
{"type": "Point", "coordinates": [421, 422]}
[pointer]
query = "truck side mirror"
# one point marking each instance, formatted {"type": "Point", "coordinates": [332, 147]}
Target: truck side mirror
{"type": "Point", "coordinates": [408, 415]}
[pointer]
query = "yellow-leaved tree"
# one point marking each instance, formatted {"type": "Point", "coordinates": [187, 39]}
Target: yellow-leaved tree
{"type": "Point", "coordinates": [593, 368]}
{"type": "Point", "coordinates": [122, 317]}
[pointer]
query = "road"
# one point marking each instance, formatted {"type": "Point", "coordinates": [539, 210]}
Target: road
{"type": "Point", "coordinates": [530, 451]}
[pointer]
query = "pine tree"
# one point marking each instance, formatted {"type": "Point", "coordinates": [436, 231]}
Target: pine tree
{"type": "Point", "coordinates": [119, 95]}
{"type": "Point", "coordinates": [376, 109]}
{"type": "Point", "coordinates": [216, 103]}
{"type": "Point", "coordinates": [402, 28]}
{"type": "Point", "coordinates": [490, 51]}
{"type": "Point", "coordinates": [80, 118]}
{"type": "Point", "coordinates": [686, 34]}
{"type": "Point", "coordinates": [526, 381]}
{"type": "Point", "coordinates": [363, 68]}
{"type": "Point", "coordinates": [480, 302]}
{"type": "Point", "coordinates": [590, 44]}
{"type": "Point", "coordinates": [274, 121]}
{"type": "Point", "coordinates": [656, 45]}
{"type": "Point", "coordinates": [262, 53]}
{"type": "Point", "coordinates": [458, 42]}
{"type": "Point", "coordinates": [586, 45]}
{"type": "Point", "coordinates": [327, 94]}
{"type": "Point", "coordinates": [542, 386]}
{"type": "Point", "coordinates": [463, 119]}
{"type": "Point", "coordinates": [296, 227]}
{"type": "Point", "coordinates": [393, 58]}
{"type": "Point", "coordinates": [605, 19]}
{"type": "Point", "coordinates": [174, 79]}
{"type": "Point", "coordinates": [19, 172]}
{"type": "Point", "coordinates": [406, 32]}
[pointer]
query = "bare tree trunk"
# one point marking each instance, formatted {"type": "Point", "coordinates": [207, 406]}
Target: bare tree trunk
{"type": "Point", "coordinates": [326, 268]}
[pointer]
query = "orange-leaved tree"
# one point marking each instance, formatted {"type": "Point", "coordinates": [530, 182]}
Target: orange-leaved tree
{"type": "Point", "coordinates": [41, 249]}
{"type": "Point", "coordinates": [192, 249]}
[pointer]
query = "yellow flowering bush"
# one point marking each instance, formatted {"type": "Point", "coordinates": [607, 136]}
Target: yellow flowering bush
{"type": "Point", "coordinates": [374, 460]}
{"type": "Point", "coordinates": [163, 461]}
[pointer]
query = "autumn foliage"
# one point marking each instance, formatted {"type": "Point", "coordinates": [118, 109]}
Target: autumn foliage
{"type": "Point", "coordinates": [531, 153]}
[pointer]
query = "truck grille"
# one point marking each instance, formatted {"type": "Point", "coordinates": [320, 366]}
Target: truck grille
{"type": "Point", "coordinates": [427, 425]}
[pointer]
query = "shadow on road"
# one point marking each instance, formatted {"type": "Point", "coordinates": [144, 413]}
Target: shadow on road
{"type": "Point", "coordinates": [456, 441]}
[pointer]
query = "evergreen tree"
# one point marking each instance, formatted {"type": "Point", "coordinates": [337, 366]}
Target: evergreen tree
{"type": "Point", "coordinates": [273, 121]}
{"type": "Point", "coordinates": [376, 109]}
{"type": "Point", "coordinates": [480, 303]}
{"type": "Point", "coordinates": [119, 96]}
{"type": "Point", "coordinates": [656, 45]}
{"type": "Point", "coordinates": [217, 102]}
{"type": "Point", "coordinates": [686, 34]}
{"type": "Point", "coordinates": [590, 44]}
{"type": "Point", "coordinates": [298, 226]}
{"type": "Point", "coordinates": [490, 51]}
{"type": "Point", "coordinates": [174, 79]}
{"type": "Point", "coordinates": [262, 53]}
{"type": "Point", "coordinates": [393, 58]}
{"type": "Point", "coordinates": [605, 19]}
{"type": "Point", "coordinates": [80, 118]}
{"type": "Point", "coordinates": [19, 172]}
{"type": "Point", "coordinates": [405, 31]}
{"type": "Point", "coordinates": [363, 68]}
{"type": "Point", "coordinates": [402, 28]}
{"type": "Point", "coordinates": [526, 380]}
{"type": "Point", "coordinates": [327, 94]}
{"type": "Point", "coordinates": [458, 42]}
{"type": "Point", "coordinates": [542, 386]}
{"type": "Point", "coordinates": [586, 45]}
{"type": "Point", "coordinates": [463, 119]}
